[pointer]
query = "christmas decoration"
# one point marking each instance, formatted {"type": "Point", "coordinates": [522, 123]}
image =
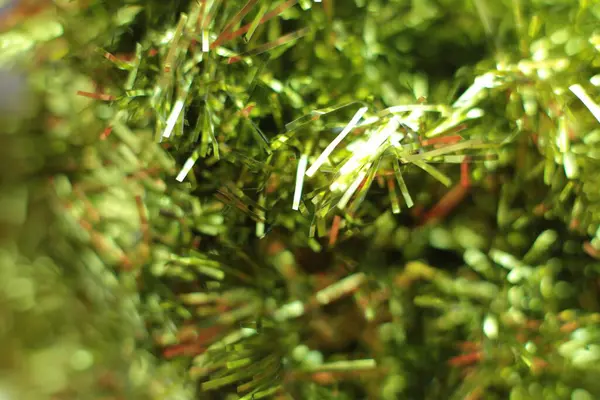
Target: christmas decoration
{"type": "Point", "coordinates": [299, 199]}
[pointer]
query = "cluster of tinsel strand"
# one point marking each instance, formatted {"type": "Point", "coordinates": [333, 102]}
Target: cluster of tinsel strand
{"type": "Point", "coordinates": [299, 199]}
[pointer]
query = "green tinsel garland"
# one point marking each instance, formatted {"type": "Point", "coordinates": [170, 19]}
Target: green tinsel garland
{"type": "Point", "coordinates": [299, 200]}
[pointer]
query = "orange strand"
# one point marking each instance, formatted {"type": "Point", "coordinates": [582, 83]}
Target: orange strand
{"type": "Point", "coordinates": [335, 229]}
{"type": "Point", "coordinates": [465, 179]}
{"type": "Point", "coordinates": [591, 250]}
{"type": "Point", "coordinates": [227, 36]}
{"type": "Point", "coordinates": [106, 133]}
{"type": "Point", "coordinates": [466, 359]}
{"type": "Point", "coordinates": [446, 204]}
{"type": "Point", "coordinates": [451, 139]}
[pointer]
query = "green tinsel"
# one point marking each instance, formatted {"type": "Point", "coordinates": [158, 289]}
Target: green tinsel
{"type": "Point", "coordinates": [299, 200]}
